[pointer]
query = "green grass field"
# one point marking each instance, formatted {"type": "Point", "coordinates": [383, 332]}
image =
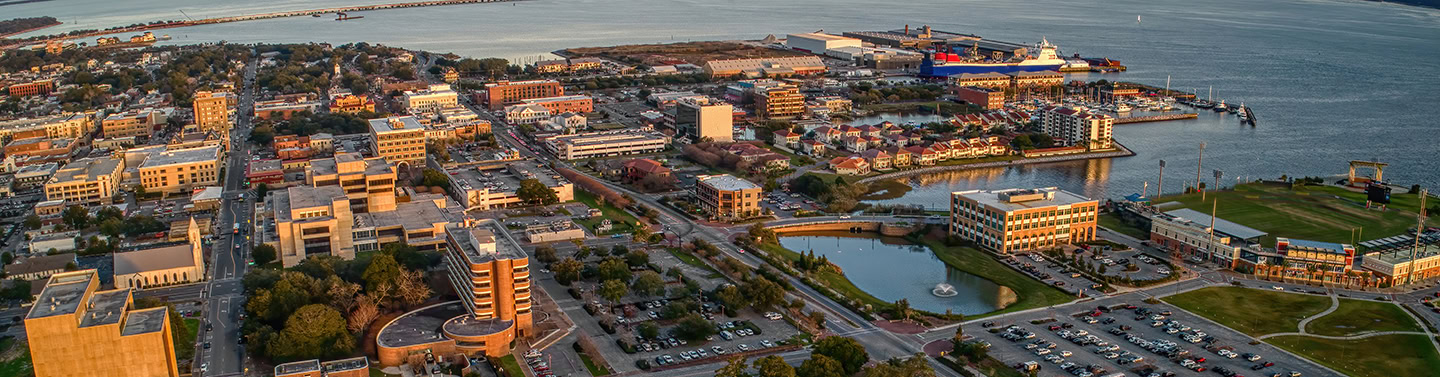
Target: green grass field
{"type": "Point", "coordinates": [623, 222]}
{"type": "Point", "coordinates": [595, 370]}
{"type": "Point", "coordinates": [1030, 293]}
{"type": "Point", "coordinates": [1113, 222]}
{"type": "Point", "coordinates": [1359, 316]}
{"type": "Point", "coordinates": [1252, 311]}
{"type": "Point", "coordinates": [690, 259]}
{"type": "Point", "coordinates": [834, 280]}
{"type": "Point", "coordinates": [512, 367]}
{"type": "Point", "coordinates": [1307, 212]}
{"type": "Point", "coordinates": [1379, 356]}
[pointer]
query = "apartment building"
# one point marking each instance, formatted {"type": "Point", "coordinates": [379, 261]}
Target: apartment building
{"type": "Point", "coordinates": [491, 274]}
{"type": "Point", "coordinates": [727, 197]}
{"type": "Point", "coordinates": [704, 117]}
{"type": "Point", "coordinates": [526, 113]}
{"type": "Point", "coordinates": [993, 80]}
{"type": "Point", "coordinates": [212, 112]}
{"type": "Point", "coordinates": [485, 188]}
{"type": "Point", "coordinates": [369, 183]}
{"type": "Point", "coordinates": [779, 102]}
{"type": "Point", "coordinates": [1022, 219]}
{"type": "Point", "coordinates": [400, 140]}
{"type": "Point", "coordinates": [76, 329]}
{"type": "Point", "coordinates": [502, 93]}
{"type": "Point", "coordinates": [135, 123]}
{"type": "Point", "coordinates": [432, 99]}
{"type": "Point", "coordinates": [986, 98]}
{"type": "Point", "coordinates": [88, 181]}
{"type": "Point", "coordinates": [63, 126]}
{"type": "Point", "coordinates": [178, 171]}
{"type": "Point", "coordinates": [33, 88]}
{"type": "Point", "coordinates": [1078, 127]}
{"type": "Point", "coordinates": [610, 143]}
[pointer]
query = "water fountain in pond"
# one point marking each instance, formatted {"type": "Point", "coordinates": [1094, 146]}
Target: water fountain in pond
{"type": "Point", "coordinates": [944, 290]}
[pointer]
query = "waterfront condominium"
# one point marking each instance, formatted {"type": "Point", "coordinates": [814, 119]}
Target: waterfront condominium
{"type": "Point", "coordinates": [1077, 127]}
{"type": "Point", "coordinates": [703, 117]}
{"type": "Point", "coordinates": [727, 197]}
{"type": "Point", "coordinates": [1022, 219]}
{"type": "Point", "coordinates": [75, 329]}
{"type": "Point", "coordinates": [400, 140]}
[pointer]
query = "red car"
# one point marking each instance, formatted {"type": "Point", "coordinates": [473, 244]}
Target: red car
{"type": "Point", "coordinates": [1095, 313]}
{"type": "Point", "coordinates": [1054, 327]}
{"type": "Point", "coordinates": [1200, 360]}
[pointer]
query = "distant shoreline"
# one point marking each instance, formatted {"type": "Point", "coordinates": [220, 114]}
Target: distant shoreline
{"type": "Point", "coordinates": [3, 35]}
{"type": "Point", "coordinates": [18, 2]}
{"type": "Point", "coordinates": [1432, 4]}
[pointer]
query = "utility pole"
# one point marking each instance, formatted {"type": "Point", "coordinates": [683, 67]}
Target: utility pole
{"type": "Point", "coordinates": [1218, 174]}
{"type": "Point", "coordinates": [1160, 186]}
{"type": "Point", "coordinates": [1198, 164]}
{"type": "Point", "coordinates": [1419, 231]}
{"type": "Point", "coordinates": [1214, 207]}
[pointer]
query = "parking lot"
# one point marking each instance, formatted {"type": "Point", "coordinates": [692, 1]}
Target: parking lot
{"type": "Point", "coordinates": [742, 334]}
{"type": "Point", "coordinates": [1157, 344]}
{"type": "Point", "coordinates": [1054, 274]}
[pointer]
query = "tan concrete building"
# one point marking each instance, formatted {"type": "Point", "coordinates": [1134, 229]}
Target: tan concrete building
{"type": "Point", "coordinates": [491, 274]}
{"type": "Point", "coordinates": [1022, 219]}
{"type": "Point", "coordinates": [212, 112]}
{"type": "Point", "coordinates": [138, 123]}
{"type": "Point", "coordinates": [727, 197]}
{"type": "Point", "coordinates": [369, 183]}
{"type": "Point", "coordinates": [180, 170]}
{"type": "Point", "coordinates": [87, 181]}
{"type": "Point", "coordinates": [74, 329]}
{"type": "Point", "coordinates": [705, 117]}
{"type": "Point", "coordinates": [766, 67]}
{"type": "Point", "coordinates": [432, 99]}
{"type": "Point", "coordinates": [63, 126]}
{"type": "Point", "coordinates": [318, 221]}
{"type": "Point", "coordinates": [162, 265]}
{"type": "Point", "coordinates": [400, 140]}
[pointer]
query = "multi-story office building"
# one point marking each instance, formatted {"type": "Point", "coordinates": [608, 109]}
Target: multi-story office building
{"type": "Point", "coordinates": [400, 140]}
{"type": "Point", "coordinates": [63, 126]}
{"type": "Point", "coordinates": [1022, 219]}
{"type": "Point", "coordinates": [564, 104]}
{"type": "Point", "coordinates": [502, 93]}
{"type": "Point", "coordinates": [483, 189]}
{"type": "Point", "coordinates": [181, 170]}
{"type": "Point", "coordinates": [609, 143]}
{"type": "Point", "coordinates": [75, 329]}
{"type": "Point", "coordinates": [88, 181]}
{"type": "Point", "coordinates": [313, 220]}
{"type": "Point", "coordinates": [369, 183]}
{"type": "Point", "coordinates": [994, 80]}
{"type": "Point", "coordinates": [727, 197]}
{"type": "Point", "coordinates": [491, 274]}
{"type": "Point", "coordinates": [212, 112]}
{"type": "Point", "coordinates": [705, 117]}
{"type": "Point", "coordinates": [1190, 234]}
{"type": "Point", "coordinates": [526, 113]}
{"type": "Point", "coordinates": [137, 123]}
{"type": "Point", "coordinates": [1402, 265]}
{"type": "Point", "coordinates": [779, 101]}
{"type": "Point", "coordinates": [432, 99]}
{"type": "Point", "coordinates": [1077, 127]}
{"type": "Point", "coordinates": [985, 98]}
{"type": "Point", "coordinates": [33, 88]}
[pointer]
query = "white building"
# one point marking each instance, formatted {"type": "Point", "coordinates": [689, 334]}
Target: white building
{"type": "Point", "coordinates": [432, 99]}
{"type": "Point", "coordinates": [526, 113]}
{"type": "Point", "coordinates": [819, 43]}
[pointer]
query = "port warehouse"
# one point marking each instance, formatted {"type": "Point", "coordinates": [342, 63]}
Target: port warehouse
{"type": "Point", "coordinates": [907, 48]}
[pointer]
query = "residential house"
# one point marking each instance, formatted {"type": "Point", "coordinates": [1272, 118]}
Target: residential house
{"type": "Point", "coordinates": [786, 138]}
{"type": "Point", "coordinates": [812, 147]}
{"type": "Point", "coordinates": [850, 165]}
{"type": "Point", "coordinates": [878, 159]}
{"type": "Point", "coordinates": [897, 140]}
{"type": "Point", "coordinates": [922, 156]}
{"type": "Point", "coordinates": [641, 168]}
{"type": "Point", "coordinates": [856, 144]}
{"type": "Point", "coordinates": [899, 157]}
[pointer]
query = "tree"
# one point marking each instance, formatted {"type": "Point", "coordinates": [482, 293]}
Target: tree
{"type": "Point", "coordinates": [914, 366]}
{"type": "Point", "coordinates": [7, 258]}
{"type": "Point", "coordinates": [848, 352]}
{"type": "Point", "coordinates": [614, 269]}
{"type": "Point", "coordinates": [637, 258]}
{"type": "Point", "coordinates": [763, 292]}
{"type": "Point", "coordinates": [76, 217]}
{"type": "Point", "coordinates": [314, 331]}
{"type": "Point", "coordinates": [365, 312]}
{"type": "Point", "coordinates": [261, 190]}
{"type": "Point", "coordinates": [648, 283]}
{"type": "Point", "coordinates": [613, 290]}
{"type": "Point", "coordinates": [774, 366]}
{"type": "Point", "coordinates": [675, 273]}
{"type": "Point", "coordinates": [263, 254]}
{"type": "Point", "coordinates": [412, 288]}
{"type": "Point", "coordinates": [534, 192]}
{"type": "Point", "coordinates": [735, 367]}
{"type": "Point", "coordinates": [694, 327]}
{"type": "Point", "coordinates": [32, 222]}
{"type": "Point", "coordinates": [732, 298]}
{"type": "Point", "coordinates": [763, 235]}
{"type": "Point", "coordinates": [382, 270]}
{"type": "Point", "coordinates": [959, 332]}
{"type": "Point", "coordinates": [583, 253]}
{"type": "Point", "coordinates": [112, 227]}
{"type": "Point", "coordinates": [567, 270]}
{"type": "Point", "coordinates": [341, 293]}
{"type": "Point", "coordinates": [818, 317]}
{"type": "Point", "coordinates": [545, 254]}
{"type": "Point", "coordinates": [648, 330]}
{"type": "Point", "coordinates": [902, 308]}
{"type": "Point", "coordinates": [820, 366]}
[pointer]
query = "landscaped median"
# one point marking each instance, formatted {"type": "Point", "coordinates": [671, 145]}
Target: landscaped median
{"type": "Point", "coordinates": [1363, 352]}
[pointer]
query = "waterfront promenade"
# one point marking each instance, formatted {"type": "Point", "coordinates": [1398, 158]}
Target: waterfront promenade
{"type": "Point", "coordinates": [1120, 151]}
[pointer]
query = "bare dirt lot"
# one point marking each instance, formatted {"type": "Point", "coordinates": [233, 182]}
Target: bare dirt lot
{"type": "Point", "coordinates": [690, 52]}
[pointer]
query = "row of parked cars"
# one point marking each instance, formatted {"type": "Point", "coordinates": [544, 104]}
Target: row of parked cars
{"type": "Point", "coordinates": [538, 366]}
{"type": "Point", "coordinates": [702, 353]}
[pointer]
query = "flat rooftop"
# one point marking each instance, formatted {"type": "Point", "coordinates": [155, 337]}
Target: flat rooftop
{"type": "Point", "coordinates": [297, 367]}
{"type": "Point", "coordinates": [1402, 255]}
{"type": "Point", "coordinates": [822, 36]}
{"type": "Point", "coordinates": [345, 364]}
{"type": "Point", "coordinates": [144, 321]}
{"type": "Point", "coordinates": [264, 166]}
{"type": "Point", "coordinates": [469, 326]}
{"type": "Point", "coordinates": [62, 295]}
{"type": "Point", "coordinates": [330, 166]}
{"type": "Point", "coordinates": [526, 82]}
{"type": "Point", "coordinates": [303, 197]}
{"type": "Point", "coordinates": [504, 179]}
{"type": "Point", "coordinates": [1221, 225]}
{"type": "Point", "coordinates": [420, 326]}
{"type": "Point", "coordinates": [23, 123]}
{"type": "Point", "coordinates": [1314, 246]}
{"type": "Point", "coordinates": [395, 124]}
{"type": "Point", "coordinates": [486, 242]}
{"type": "Point", "coordinates": [86, 170]}
{"type": "Point", "coordinates": [993, 198]}
{"type": "Point", "coordinates": [412, 215]}
{"type": "Point", "coordinates": [182, 156]}
{"type": "Point", "coordinates": [105, 308]}
{"type": "Point", "coordinates": [554, 99]}
{"type": "Point", "coordinates": [726, 182]}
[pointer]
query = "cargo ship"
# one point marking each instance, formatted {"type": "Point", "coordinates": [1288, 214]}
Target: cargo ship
{"type": "Point", "coordinates": [949, 63]}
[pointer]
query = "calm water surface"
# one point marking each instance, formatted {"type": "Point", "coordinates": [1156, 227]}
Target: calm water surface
{"type": "Point", "coordinates": [891, 269]}
{"type": "Point", "coordinates": [1330, 80]}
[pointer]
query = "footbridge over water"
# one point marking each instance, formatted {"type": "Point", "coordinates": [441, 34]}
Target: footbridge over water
{"type": "Point", "coordinates": [885, 225]}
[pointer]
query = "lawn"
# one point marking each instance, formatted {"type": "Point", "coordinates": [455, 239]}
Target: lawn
{"type": "Point", "coordinates": [595, 370]}
{"type": "Point", "coordinates": [690, 259]}
{"type": "Point", "coordinates": [1307, 212]}
{"type": "Point", "coordinates": [1252, 311]}
{"type": "Point", "coordinates": [1359, 316]}
{"type": "Point", "coordinates": [1030, 293]}
{"type": "Point", "coordinates": [623, 222]}
{"type": "Point", "coordinates": [1113, 222]}
{"type": "Point", "coordinates": [887, 189]}
{"type": "Point", "coordinates": [20, 365]}
{"type": "Point", "coordinates": [834, 280]}
{"type": "Point", "coordinates": [512, 368]}
{"type": "Point", "coordinates": [1378, 356]}
{"type": "Point", "coordinates": [185, 344]}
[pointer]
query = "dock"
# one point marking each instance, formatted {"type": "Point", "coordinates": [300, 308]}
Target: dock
{"type": "Point", "coordinates": [1156, 118]}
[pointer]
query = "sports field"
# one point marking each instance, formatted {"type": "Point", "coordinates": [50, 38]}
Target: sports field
{"type": "Point", "coordinates": [1319, 213]}
{"type": "Point", "coordinates": [1252, 311]}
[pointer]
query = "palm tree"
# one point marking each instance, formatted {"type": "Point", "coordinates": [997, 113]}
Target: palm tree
{"type": "Point", "coordinates": [903, 308]}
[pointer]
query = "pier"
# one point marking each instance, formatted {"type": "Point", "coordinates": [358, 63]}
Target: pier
{"type": "Point", "coordinates": [1156, 118]}
{"type": "Point", "coordinates": [252, 17]}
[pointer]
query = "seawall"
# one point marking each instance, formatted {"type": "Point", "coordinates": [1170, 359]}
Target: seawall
{"type": "Point", "coordinates": [1121, 151]}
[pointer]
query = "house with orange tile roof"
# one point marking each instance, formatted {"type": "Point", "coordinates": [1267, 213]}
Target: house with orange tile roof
{"type": "Point", "coordinates": [850, 165]}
